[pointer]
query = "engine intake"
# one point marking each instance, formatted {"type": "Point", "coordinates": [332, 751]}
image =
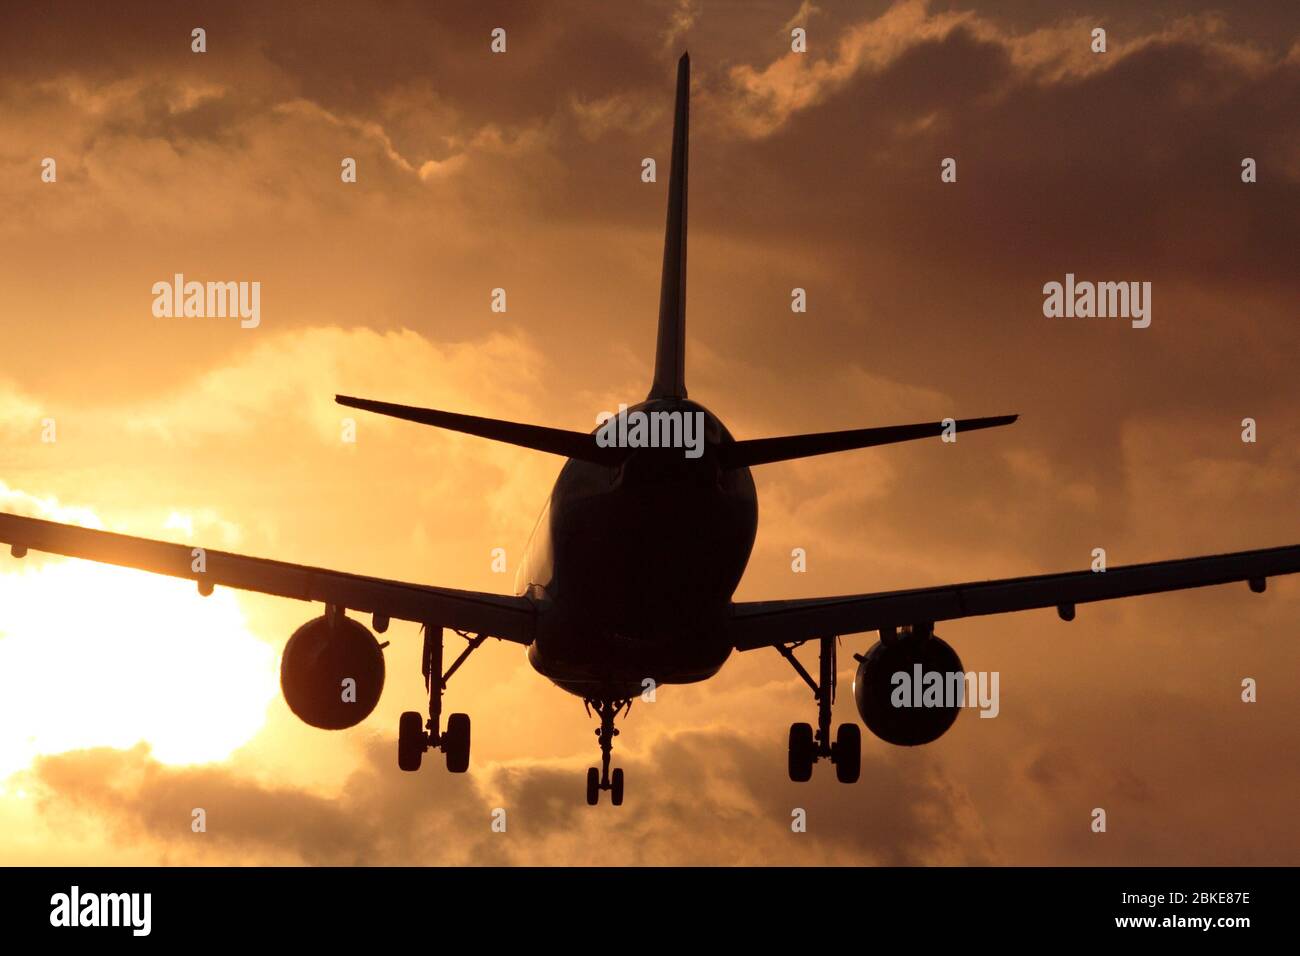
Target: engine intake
{"type": "Point", "coordinates": [319, 659]}
{"type": "Point", "coordinates": [888, 703]}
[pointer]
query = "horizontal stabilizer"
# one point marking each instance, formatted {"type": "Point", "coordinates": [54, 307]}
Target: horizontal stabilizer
{"type": "Point", "coordinates": [557, 441]}
{"type": "Point", "coordinates": [761, 451]}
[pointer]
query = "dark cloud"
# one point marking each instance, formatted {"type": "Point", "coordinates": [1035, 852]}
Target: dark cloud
{"type": "Point", "coordinates": [925, 300]}
{"type": "Point", "coordinates": [693, 796]}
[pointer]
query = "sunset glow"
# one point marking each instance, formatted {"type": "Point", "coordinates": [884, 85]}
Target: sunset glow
{"type": "Point", "coordinates": [837, 280]}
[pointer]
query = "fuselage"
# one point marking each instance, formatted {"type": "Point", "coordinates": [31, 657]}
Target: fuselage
{"type": "Point", "coordinates": [634, 567]}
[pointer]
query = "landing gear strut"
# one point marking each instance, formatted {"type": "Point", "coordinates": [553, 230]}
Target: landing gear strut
{"type": "Point", "coordinates": [598, 780]}
{"type": "Point", "coordinates": [807, 746]}
{"type": "Point", "coordinates": [415, 735]}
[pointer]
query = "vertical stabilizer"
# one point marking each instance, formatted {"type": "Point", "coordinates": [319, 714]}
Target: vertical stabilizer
{"type": "Point", "coordinates": [670, 354]}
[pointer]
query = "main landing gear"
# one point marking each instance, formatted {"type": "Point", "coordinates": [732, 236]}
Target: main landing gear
{"type": "Point", "coordinates": [807, 747]}
{"type": "Point", "coordinates": [415, 735]}
{"type": "Point", "coordinates": [598, 780]}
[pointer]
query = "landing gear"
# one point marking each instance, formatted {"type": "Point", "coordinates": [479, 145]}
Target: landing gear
{"type": "Point", "coordinates": [808, 746]}
{"type": "Point", "coordinates": [602, 779]}
{"type": "Point", "coordinates": [415, 735]}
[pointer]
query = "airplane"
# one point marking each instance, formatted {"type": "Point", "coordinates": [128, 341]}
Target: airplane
{"type": "Point", "coordinates": [629, 575]}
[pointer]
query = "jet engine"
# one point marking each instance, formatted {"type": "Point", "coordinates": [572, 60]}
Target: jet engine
{"type": "Point", "coordinates": [332, 672]}
{"type": "Point", "coordinates": [891, 687]}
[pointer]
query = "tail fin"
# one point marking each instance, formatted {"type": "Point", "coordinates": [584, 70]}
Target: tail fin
{"type": "Point", "coordinates": [670, 356]}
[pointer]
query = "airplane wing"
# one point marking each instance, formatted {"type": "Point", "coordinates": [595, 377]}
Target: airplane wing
{"type": "Point", "coordinates": [493, 615]}
{"type": "Point", "coordinates": [767, 623]}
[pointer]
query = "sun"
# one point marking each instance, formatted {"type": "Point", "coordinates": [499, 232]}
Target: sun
{"type": "Point", "coordinates": [96, 656]}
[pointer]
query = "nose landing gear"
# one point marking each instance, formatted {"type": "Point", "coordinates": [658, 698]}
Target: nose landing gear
{"type": "Point", "coordinates": [603, 779]}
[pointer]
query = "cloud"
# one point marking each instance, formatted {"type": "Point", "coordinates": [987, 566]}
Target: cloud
{"type": "Point", "coordinates": [820, 172]}
{"type": "Point", "coordinates": [48, 507]}
{"type": "Point", "coordinates": [291, 379]}
{"type": "Point", "coordinates": [680, 20]}
{"type": "Point", "coordinates": [735, 807]}
{"type": "Point", "coordinates": [18, 411]}
{"type": "Point", "coordinates": [770, 96]}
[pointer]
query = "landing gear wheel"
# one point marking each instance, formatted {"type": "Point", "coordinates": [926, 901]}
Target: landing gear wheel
{"type": "Point", "coordinates": [593, 786]}
{"type": "Point", "coordinates": [616, 787]}
{"type": "Point", "coordinates": [455, 743]}
{"type": "Point", "coordinates": [847, 753]}
{"type": "Point", "coordinates": [803, 752]}
{"type": "Point", "coordinates": [410, 741]}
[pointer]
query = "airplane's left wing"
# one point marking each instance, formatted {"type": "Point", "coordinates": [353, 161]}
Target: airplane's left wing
{"type": "Point", "coordinates": [768, 623]}
{"type": "Point", "coordinates": [492, 615]}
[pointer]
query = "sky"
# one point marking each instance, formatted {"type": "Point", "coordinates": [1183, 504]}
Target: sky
{"type": "Point", "coordinates": [130, 700]}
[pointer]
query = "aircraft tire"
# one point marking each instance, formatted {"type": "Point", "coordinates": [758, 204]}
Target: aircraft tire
{"type": "Point", "coordinates": [803, 753]}
{"type": "Point", "coordinates": [456, 743]}
{"type": "Point", "coordinates": [410, 741]}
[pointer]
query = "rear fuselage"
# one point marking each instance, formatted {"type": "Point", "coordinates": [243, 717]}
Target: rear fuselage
{"type": "Point", "coordinates": [634, 567]}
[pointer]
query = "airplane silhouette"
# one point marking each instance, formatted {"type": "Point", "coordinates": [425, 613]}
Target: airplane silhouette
{"type": "Point", "coordinates": [628, 578]}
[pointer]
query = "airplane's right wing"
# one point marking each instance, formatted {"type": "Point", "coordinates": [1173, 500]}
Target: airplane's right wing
{"type": "Point", "coordinates": [767, 623]}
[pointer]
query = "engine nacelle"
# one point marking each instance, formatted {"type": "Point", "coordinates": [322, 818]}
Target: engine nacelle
{"type": "Point", "coordinates": [320, 657]}
{"type": "Point", "coordinates": [888, 704]}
